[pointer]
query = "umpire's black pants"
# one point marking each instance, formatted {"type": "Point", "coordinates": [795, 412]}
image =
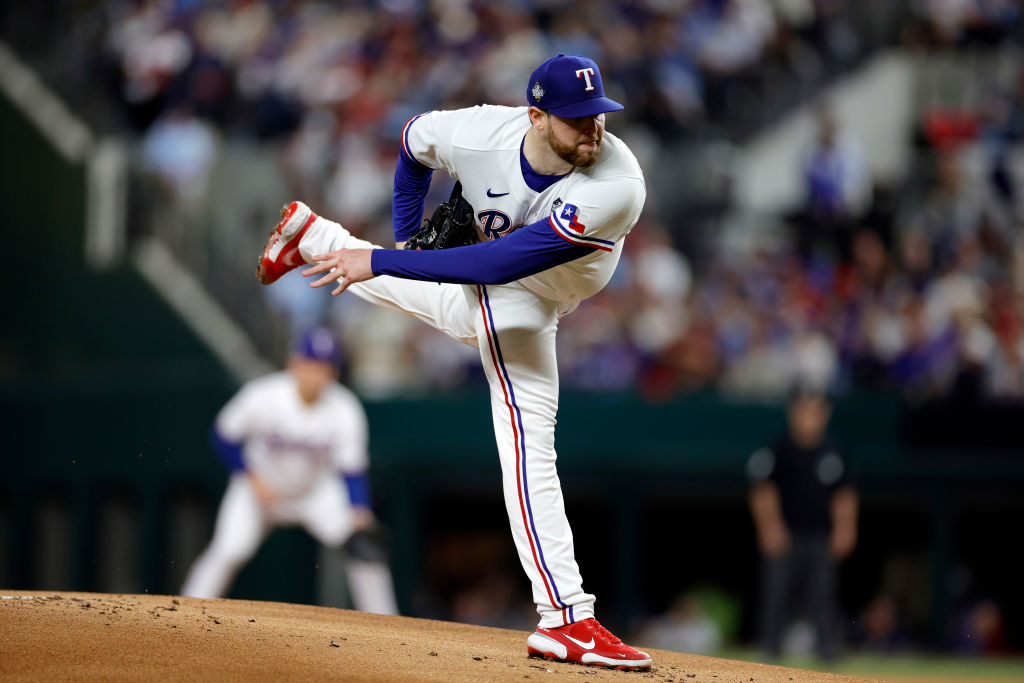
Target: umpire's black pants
{"type": "Point", "coordinates": [801, 582]}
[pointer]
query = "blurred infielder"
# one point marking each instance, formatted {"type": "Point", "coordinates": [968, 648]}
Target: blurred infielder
{"type": "Point", "coordinates": [296, 442]}
{"type": "Point", "coordinates": [554, 197]}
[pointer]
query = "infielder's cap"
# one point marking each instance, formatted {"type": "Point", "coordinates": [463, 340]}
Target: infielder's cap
{"type": "Point", "coordinates": [319, 344]}
{"type": "Point", "coordinates": [569, 86]}
{"type": "Point", "coordinates": [809, 390]}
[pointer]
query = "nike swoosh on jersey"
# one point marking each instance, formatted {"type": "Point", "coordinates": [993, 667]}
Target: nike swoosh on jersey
{"type": "Point", "coordinates": [495, 194]}
{"type": "Point", "coordinates": [585, 646]}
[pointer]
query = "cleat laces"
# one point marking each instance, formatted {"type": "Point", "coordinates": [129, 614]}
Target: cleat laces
{"type": "Point", "coordinates": [604, 633]}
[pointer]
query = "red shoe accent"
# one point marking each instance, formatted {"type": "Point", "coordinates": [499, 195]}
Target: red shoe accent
{"type": "Point", "coordinates": [282, 251]}
{"type": "Point", "coordinates": [585, 642]}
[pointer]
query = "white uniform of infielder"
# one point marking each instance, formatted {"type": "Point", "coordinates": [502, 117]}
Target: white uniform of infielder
{"type": "Point", "coordinates": [551, 239]}
{"type": "Point", "coordinates": [294, 439]}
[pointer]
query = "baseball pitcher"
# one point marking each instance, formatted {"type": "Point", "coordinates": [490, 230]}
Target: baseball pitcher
{"type": "Point", "coordinates": [551, 196]}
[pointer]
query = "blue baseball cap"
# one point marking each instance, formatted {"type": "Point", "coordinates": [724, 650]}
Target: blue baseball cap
{"type": "Point", "coordinates": [319, 344]}
{"type": "Point", "coordinates": [569, 86]}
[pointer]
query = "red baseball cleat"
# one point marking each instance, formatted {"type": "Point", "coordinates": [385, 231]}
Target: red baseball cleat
{"type": "Point", "coordinates": [282, 251]}
{"type": "Point", "coordinates": [585, 642]}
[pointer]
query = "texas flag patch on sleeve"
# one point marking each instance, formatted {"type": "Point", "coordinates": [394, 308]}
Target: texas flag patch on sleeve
{"type": "Point", "coordinates": [571, 224]}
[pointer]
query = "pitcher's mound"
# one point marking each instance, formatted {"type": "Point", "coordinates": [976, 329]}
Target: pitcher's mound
{"type": "Point", "coordinates": [59, 636]}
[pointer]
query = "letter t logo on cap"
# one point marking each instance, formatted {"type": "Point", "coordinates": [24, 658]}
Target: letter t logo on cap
{"type": "Point", "coordinates": [586, 74]}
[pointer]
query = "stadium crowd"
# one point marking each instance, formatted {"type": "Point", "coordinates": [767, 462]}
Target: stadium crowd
{"type": "Point", "coordinates": [916, 287]}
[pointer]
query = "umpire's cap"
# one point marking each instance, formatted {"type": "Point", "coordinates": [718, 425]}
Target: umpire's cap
{"type": "Point", "coordinates": [569, 86]}
{"type": "Point", "coordinates": [319, 344]}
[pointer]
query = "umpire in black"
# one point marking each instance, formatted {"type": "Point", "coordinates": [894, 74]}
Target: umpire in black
{"type": "Point", "coordinates": [804, 507]}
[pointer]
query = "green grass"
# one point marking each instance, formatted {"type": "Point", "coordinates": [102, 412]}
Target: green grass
{"type": "Point", "coordinates": [935, 667]}
{"type": "Point", "coordinates": [908, 667]}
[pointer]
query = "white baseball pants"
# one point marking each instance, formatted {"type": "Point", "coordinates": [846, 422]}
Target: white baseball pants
{"type": "Point", "coordinates": [243, 523]}
{"type": "Point", "coordinates": [514, 330]}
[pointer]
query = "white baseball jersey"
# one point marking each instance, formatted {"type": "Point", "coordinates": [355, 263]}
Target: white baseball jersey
{"type": "Point", "coordinates": [595, 207]}
{"type": "Point", "coordinates": [290, 445]}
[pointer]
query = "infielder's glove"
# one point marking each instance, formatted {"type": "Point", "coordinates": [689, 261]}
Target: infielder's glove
{"type": "Point", "coordinates": [369, 544]}
{"type": "Point", "coordinates": [450, 226]}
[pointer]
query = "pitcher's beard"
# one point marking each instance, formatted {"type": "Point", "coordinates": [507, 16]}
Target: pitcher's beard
{"type": "Point", "coordinates": [571, 153]}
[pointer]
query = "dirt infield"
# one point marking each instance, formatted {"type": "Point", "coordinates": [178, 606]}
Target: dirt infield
{"type": "Point", "coordinates": [51, 636]}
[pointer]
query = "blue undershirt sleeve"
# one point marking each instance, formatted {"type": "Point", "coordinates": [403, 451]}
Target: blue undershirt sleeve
{"type": "Point", "coordinates": [530, 249]}
{"type": "Point", "coordinates": [358, 489]}
{"type": "Point", "coordinates": [229, 452]}
{"type": "Point", "coordinates": [412, 180]}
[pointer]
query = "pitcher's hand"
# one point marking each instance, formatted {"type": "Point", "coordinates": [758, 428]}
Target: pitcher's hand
{"type": "Point", "coordinates": [345, 266]}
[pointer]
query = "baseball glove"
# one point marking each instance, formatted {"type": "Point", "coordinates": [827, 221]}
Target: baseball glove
{"type": "Point", "coordinates": [450, 226]}
{"type": "Point", "coordinates": [368, 545]}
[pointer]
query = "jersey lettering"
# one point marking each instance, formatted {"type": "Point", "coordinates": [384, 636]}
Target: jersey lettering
{"type": "Point", "coordinates": [279, 444]}
{"type": "Point", "coordinates": [495, 223]}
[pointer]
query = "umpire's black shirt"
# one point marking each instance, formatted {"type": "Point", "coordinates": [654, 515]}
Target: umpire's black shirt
{"type": "Point", "coordinates": [806, 478]}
